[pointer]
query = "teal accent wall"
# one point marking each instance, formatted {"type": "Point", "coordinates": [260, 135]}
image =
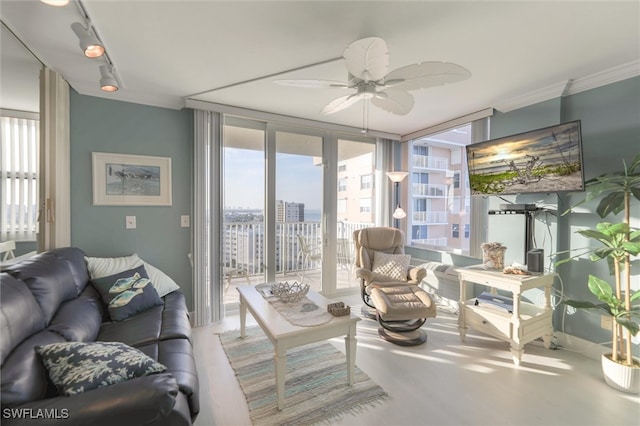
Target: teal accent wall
{"type": "Point", "coordinates": [103, 125]}
{"type": "Point", "coordinates": [610, 119]}
{"type": "Point", "coordinates": [532, 117]}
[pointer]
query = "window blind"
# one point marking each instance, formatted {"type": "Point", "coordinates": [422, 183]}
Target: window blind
{"type": "Point", "coordinates": [19, 171]}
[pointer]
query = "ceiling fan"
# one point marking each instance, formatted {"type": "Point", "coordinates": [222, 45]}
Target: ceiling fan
{"type": "Point", "coordinates": [367, 61]}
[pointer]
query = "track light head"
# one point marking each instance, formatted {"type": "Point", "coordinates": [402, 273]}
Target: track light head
{"type": "Point", "coordinates": [108, 82]}
{"type": "Point", "coordinates": [55, 2]}
{"type": "Point", "coordinates": [90, 45]}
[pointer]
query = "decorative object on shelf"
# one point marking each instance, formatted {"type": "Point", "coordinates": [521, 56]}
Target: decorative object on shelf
{"type": "Point", "coordinates": [514, 270]}
{"type": "Point", "coordinates": [621, 244]}
{"type": "Point", "coordinates": [493, 255]}
{"type": "Point", "coordinates": [131, 180]}
{"type": "Point", "coordinates": [286, 292]}
{"type": "Point", "coordinates": [338, 309]}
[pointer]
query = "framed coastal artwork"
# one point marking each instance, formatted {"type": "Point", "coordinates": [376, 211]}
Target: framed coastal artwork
{"type": "Point", "coordinates": [131, 180]}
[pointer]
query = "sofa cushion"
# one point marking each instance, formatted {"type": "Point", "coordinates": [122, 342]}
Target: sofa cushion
{"type": "Point", "coordinates": [158, 323]}
{"type": "Point", "coordinates": [127, 293]}
{"type": "Point", "coordinates": [23, 377]}
{"type": "Point", "coordinates": [20, 315]}
{"type": "Point", "coordinates": [99, 267]}
{"type": "Point", "coordinates": [177, 356]}
{"type": "Point", "coordinates": [76, 367]}
{"type": "Point", "coordinates": [79, 320]}
{"type": "Point", "coordinates": [390, 267]}
{"type": "Point", "coordinates": [49, 278]}
{"type": "Point", "coordinates": [75, 259]}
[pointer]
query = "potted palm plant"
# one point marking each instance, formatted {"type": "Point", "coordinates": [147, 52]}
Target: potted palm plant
{"type": "Point", "coordinates": [619, 244]}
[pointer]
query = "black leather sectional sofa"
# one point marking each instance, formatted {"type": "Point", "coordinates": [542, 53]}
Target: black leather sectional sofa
{"type": "Point", "coordinates": [49, 298]}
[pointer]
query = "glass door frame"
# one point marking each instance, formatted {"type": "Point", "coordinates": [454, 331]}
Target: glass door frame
{"type": "Point", "coordinates": [330, 141]}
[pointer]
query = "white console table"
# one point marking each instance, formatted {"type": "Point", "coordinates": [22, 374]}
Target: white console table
{"type": "Point", "coordinates": [524, 324]}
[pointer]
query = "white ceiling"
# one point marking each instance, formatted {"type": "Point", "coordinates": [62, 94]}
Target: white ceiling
{"type": "Point", "coordinates": [219, 51]}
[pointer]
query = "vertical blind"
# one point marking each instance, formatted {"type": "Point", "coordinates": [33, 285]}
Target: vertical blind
{"type": "Point", "coordinates": [19, 171]}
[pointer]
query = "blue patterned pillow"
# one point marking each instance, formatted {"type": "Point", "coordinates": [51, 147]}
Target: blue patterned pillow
{"type": "Point", "coordinates": [127, 293]}
{"type": "Point", "coordinates": [76, 367]}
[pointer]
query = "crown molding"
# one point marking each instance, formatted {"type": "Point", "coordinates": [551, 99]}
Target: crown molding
{"type": "Point", "coordinates": [571, 87]}
{"type": "Point", "coordinates": [533, 97]}
{"type": "Point", "coordinates": [599, 79]}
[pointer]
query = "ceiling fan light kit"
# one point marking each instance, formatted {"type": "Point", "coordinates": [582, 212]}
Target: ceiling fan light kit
{"type": "Point", "coordinates": [367, 62]}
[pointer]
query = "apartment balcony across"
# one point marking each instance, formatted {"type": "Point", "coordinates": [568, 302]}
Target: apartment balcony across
{"type": "Point", "coordinates": [430, 218]}
{"type": "Point", "coordinates": [431, 190]}
{"type": "Point", "coordinates": [429, 162]}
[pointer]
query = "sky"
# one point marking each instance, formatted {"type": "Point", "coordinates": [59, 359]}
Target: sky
{"type": "Point", "coordinates": [298, 180]}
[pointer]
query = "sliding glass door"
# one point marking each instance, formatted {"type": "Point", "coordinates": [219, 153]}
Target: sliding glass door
{"type": "Point", "coordinates": [299, 237]}
{"type": "Point", "coordinates": [291, 199]}
{"type": "Point", "coordinates": [243, 223]}
{"type": "Point", "coordinates": [356, 196]}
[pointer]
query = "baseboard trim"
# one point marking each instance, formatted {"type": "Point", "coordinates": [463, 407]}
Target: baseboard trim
{"type": "Point", "coordinates": [577, 344]}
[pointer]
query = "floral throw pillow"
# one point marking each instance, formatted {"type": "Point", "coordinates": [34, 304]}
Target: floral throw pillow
{"type": "Point", "coordinates": [127, 293]}
{"type": "Point", "coordinates": [390, 267]}
{"type": "Point", "coordinates": [76, 367]}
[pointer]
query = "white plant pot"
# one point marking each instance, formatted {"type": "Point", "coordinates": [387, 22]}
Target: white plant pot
{"type": "Point", "coordinates": [620, 376]}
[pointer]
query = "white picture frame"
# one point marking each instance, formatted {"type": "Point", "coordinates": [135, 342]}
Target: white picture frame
{"type": "Point", "coordinates": [131, 180]}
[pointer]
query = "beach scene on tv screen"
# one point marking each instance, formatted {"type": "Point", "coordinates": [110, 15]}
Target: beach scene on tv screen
{"type": "Point", "coordinates": [545, 160]}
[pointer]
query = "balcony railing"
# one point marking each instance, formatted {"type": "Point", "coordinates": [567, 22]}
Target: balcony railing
{"type": "Point", "coordinates": [244, 245]}
{"type": "Point", "coordinates": [438, 242]}
{"type": "Point", "coordinates": [429, 190]}
{"type": "Point", "coordinates": [430, 217]}
{"type": "Point", "coordinates": [429, 162]}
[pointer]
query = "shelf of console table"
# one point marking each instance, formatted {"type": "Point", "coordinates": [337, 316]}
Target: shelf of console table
{"type": "Point", "coordinates": [527, 322]}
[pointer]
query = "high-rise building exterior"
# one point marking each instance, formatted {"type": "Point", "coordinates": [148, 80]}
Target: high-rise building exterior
{"type": "Point", "coordinates": [289, 212]}
{"type": "Point", "coordinates": [440, 209]}
{"type": "Point", "coordinates": [356, 189]}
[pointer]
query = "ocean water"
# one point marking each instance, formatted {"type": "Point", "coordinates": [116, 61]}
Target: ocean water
{"type": "Point", "coordinates": [312, 215]}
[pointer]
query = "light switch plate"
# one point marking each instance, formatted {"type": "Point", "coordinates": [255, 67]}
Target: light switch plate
{"type": "Point", "coordinates": [130, 222]}
{"type": "Point", "coordinates": [184, 221]}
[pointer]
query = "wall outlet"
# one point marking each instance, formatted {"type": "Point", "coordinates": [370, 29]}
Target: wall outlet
{"type": "Point", "coordinates": [184, 221]}
{"type": "Point", "coordinates": [130, 222]}
{"type": "Point", "coordinates": [606, 322]}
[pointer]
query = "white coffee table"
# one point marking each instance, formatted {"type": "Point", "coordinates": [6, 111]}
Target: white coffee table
{"type": "Point", "coordinates": [285, 335]}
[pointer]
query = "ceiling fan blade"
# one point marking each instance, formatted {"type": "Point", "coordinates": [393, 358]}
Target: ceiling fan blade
{"type": "Point", "coordinates": [368, 58]}
{"type": "Point", "coordinates": [341, 103]}
{"type": "Point", "coordinates": [312, 84]}
{"type": "Point", "coordinates": [399, 102]}
{"type": "Point", "coordinates": [426, 74]}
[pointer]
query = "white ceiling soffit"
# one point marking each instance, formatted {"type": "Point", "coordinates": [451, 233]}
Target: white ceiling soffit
{"type": "Point", "coordinates": [518, 52]}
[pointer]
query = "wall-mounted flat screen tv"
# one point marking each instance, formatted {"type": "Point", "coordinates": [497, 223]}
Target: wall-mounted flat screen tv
{"type": "Point", "coordinates": [544, 160]}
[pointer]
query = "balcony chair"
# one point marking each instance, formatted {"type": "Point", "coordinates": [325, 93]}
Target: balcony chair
{"type": "Point", "coordinates": [307, 254]}
{"type": "Point", "coordinates": [7, 256]}
{"type": "Point", "coordinates": [6, 250]}
{"type": "Point", "coordinates": [390, 287]}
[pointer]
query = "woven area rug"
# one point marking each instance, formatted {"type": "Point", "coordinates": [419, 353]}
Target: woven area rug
{"type": "Point", "coordinates": [316, 389]}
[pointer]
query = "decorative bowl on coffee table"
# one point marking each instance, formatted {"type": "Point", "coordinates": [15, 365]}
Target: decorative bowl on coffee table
{"type": "Point", "coordinates": [289, 292]}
